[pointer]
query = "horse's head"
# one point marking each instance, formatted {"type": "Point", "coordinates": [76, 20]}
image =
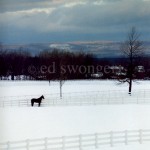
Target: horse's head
{"type": "Point", "coordinates": [42, 97]}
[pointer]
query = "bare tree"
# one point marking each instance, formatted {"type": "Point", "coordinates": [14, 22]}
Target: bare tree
{"type": "Point", "coordinates": [61, 82]}
{"type": "Point", "coordinates": [132, 48]}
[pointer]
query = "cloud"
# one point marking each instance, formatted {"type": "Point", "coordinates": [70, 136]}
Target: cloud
{"type": "Point", "coordinates": [99, 17]}
{"type": "Point", "coordinates": [95, 17]}
{"type": "Point", "coordinates": [18, 5]}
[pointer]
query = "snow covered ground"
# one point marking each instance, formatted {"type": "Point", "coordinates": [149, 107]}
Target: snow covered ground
{"type": "Point", "coordinates": [20, 123]}
{"type": "Point", "coordinates": [23, 123]}
{"type": "Point", "coordinates": [21, 88]}
{"type": "Point", "coordinates": [31, 123]}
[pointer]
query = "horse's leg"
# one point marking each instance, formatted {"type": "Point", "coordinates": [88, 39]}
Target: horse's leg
{"type": "Point", "coordinates": [39, 104]}
{"type": "Point", "coordinates": [32, 103]}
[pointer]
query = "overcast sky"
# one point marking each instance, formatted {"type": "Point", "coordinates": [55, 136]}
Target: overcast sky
{"type": "Point", "coordinates": [28, 21]}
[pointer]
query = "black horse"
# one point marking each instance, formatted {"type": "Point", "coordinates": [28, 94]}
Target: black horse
{"type": "Point", "coordinates": [37, 100]}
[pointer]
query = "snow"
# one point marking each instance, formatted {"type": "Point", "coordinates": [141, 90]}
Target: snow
{"type": "Point", "coordinates": [23, 123]}
{"type": "Point", "coordinates": [127, 147]}
{"type": "Point", "coordinates": [31, 123]}
{"type": "Point", "coordinates": [20, 123]}
{"type": "Point", "coordinates": [20, 88]}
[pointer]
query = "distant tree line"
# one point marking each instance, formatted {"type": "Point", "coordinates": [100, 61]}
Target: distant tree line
{"type": "Point", "coordinates": [44, 66]}
{"type": "Point", "coordinates": [61, 65]}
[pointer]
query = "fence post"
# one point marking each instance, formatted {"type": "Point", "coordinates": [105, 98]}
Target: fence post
{"type": "Point", "coordinates": [111, 138]}
{"type": "Point", "coordinates": [95, 102]}
{"type": "Point", "coordinates": [19, 103]}
{"type": "Point", "coordinates": [63, 143]}
{"type": "Point", "coordinates": [126, 137]}
{"type": "Point", "coordinates": [27, 144]}
{"type": "Point", "coordinates": [27, 103]}
{"type": "Point", "coordinates": [54, 102]}
{"type": "Point", "coordinates": [96, 140]}
{"type": "Point", "coordinates": [80, 142]}
{"type": "Point", "coordinates": [140, 136]}
{"type": "Point", "coordinates": [46, 143]}
{"type": "Point", "coordinates": [137, 100]}
{"type": "Point", "coordinates": [122, 100]}
{"type": "Point", "coordinates": [8, 145]}
{"type": "Point", "coordinates": [80, 103]}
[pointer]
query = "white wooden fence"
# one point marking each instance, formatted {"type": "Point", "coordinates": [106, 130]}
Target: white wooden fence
{"type": "Point", "coordinates": [80, 142]}
{"type": "Point", "coordinates": [84, 98]}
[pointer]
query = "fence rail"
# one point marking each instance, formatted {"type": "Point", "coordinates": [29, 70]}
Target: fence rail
{"type": "Point", "coordinates": [83, 98]}
{"type": "Point", "coordinates": [79, 142]}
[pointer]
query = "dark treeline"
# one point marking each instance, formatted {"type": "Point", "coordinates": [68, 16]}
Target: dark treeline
{"type": "Point", "coordinates": [56, 64]}
{"type": "Point", "coordinates": [47, 65]}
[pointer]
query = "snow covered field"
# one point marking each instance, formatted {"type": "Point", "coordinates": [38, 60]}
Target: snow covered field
{"type": "Point", "coordinates": [20, 123]}
{"type": "Point", "coordinates": [21, 88]}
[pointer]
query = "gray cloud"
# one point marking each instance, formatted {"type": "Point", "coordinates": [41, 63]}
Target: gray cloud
{"type": "Point", "coordinates": [17, 5]}
{"type": "Point", "coordinates": [102, 16]}
{"type": "Point", "coordinates": [82, 17]}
